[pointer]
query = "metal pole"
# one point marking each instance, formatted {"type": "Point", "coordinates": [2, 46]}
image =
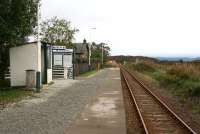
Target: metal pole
{"type": "Point", "coordinates": [89, 54]}
{"type": "Point", "coordinates": [73, 60]}
{"type": "Point", "coordinates": [102, 54]}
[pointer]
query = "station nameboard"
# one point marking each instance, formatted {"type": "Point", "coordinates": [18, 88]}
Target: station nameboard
{"type": "Point", "coordinates": [63, 50]}
{"type": "Point", "coordinates": [59, 47]}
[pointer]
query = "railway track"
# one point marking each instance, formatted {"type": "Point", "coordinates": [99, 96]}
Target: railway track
{"type": "Point", "coordinates": [154, 115]}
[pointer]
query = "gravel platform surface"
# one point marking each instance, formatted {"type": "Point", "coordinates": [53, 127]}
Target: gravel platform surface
{"type": "Point", "coordinates": [53, 110]}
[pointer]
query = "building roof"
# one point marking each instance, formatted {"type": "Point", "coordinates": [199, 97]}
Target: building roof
{"type": "Point", "coordinates": [81, 48]}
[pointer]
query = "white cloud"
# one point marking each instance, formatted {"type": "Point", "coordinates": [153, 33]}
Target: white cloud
{"type": "Point", "coordinates": [134, 27]}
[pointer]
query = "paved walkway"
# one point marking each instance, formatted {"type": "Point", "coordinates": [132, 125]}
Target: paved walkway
{"type": "Point", "coordinates": [105, 113]}
{"type": "Point", "coordinates": [60, 106]}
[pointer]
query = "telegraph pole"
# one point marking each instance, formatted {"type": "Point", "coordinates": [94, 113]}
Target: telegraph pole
{"type": "Point", "coordinates": [38, 24]}
{"type": "Point", "coordinates": [38, 71]}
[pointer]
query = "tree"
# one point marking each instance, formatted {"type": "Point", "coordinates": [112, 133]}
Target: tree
{"type": "Point", "coordinates": [18, 19]}
{"type": "Point", "coordinates": [58, 32]}
{"type": "Point", "coordinates": [106, 52]}
{"type": "Point", "coordinates": [97, 51]}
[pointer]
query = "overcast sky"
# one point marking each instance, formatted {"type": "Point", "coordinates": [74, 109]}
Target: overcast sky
{"type": "Point", "coordinates": [134, 27]}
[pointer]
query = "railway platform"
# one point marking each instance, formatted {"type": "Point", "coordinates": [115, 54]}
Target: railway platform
{"type": "Point", "coordinates": [105, 113]}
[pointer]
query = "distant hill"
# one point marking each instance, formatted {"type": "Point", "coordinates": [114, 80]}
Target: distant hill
{"type": "Point", "coordinates": [121, 58]}
{"type": "Point", "coordinates": [178, 58]}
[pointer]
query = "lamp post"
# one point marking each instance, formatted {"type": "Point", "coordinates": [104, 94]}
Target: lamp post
{"type": "Point", "coordinates": [89, 46]}
{"type": "Point", "coordinates": [102, 52]}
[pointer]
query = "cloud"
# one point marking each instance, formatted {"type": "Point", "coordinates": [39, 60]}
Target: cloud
{"type": "Point", "coordinates": [142, 27]}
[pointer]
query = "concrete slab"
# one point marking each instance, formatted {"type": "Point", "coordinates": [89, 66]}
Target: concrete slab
{"type": "Point", "coordinates": [105, 113]}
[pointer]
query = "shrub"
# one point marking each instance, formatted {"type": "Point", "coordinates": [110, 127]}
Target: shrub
{"type": "Point", "coordinates": [183, 79]}
{"type": "Point", "coordinates": [184, 71]}
{"type": "Point", "coordinates": [195, 92]}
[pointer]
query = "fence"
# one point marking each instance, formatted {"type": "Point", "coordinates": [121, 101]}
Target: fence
{"type": "Point", "coordinates": [79, 69]}
{"type": "Point", "coordinates": [7, 74]}
{"type": "Point", "coordinates": [84, 67]}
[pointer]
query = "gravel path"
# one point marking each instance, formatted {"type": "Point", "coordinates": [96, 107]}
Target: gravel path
{"type": "Point", "coordinates": [53, 110]}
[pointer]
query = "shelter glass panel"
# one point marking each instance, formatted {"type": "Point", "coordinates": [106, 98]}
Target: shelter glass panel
{"type": "Point", "coordinates": [58, 60]}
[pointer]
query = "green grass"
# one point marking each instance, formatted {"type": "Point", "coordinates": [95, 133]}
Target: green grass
{"type": "Point", "coordinates": [196, 109]}
{"type": "Point", "coordinates": [89, 73]}
{"type": "Point", "coordinates": [143, 67]}
{"type": "Point", "coordinates": [181, 80]}
{"type": "Point", "coordinates": [178, 85]}
{"type": "Point", "coordinates": [10, 95]}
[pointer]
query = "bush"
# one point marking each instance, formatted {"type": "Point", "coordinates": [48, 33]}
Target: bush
{"type": "Point", "coordinates": [195, 92]}
{"type": "Point", "coordinates": [184, 71]}
{"type": "Point", "coordinates": [183, 79]}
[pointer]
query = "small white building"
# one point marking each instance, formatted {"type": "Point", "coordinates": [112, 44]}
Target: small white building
{"type": "Point", "coordinates": [45, 60]}
{"type": "Point", "coordinates": [30, 56]}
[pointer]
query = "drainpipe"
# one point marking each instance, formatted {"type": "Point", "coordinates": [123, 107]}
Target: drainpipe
{"type": "Point", "coordinates": [45, 63]}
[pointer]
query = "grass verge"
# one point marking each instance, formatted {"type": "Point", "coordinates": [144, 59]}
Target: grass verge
{"type": "Point", "coordinates": [181, 80]}
{"type": "Point", "coordinates": [10, 95]}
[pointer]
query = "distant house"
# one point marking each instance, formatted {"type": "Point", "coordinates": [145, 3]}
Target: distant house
{"type": "Point", "coordinates": [81, 52]}
{"type": "Point", "coordinates": [81, 56]}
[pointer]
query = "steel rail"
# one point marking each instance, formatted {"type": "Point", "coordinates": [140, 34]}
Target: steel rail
{"type": "Point", "coordinates": [160, 101]}
{"type": "Point", "coordinates": [135, 102]}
